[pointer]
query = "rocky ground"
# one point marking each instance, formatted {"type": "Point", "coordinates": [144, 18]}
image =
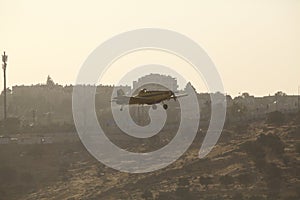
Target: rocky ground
{"type": "Point", "coordinates": [254, 160]}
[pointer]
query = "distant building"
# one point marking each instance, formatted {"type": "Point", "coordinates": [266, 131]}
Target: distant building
{"type": "Point", "coordinates": [155, 82]}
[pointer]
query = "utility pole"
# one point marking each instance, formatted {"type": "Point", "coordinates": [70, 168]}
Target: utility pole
{"type": "Point", "coordinates": [4, 60]}
{"type": "Point", "coordinates": [299, 98]}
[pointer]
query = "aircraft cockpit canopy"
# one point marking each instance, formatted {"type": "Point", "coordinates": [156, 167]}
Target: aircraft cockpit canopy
{"type": "Point", "coordinates": [142, 91]}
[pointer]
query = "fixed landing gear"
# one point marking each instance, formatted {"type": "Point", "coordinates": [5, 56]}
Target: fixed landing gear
{"type": "Point", "coordinates": [165, 106]}
{"type": "Point", "coordinates": [121, 109]}
{"type": "Point", "coordinates": [154, 106]}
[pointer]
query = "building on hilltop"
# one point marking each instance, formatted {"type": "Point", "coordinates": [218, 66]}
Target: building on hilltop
{"type": "Point", "coordinates": [152, 81]}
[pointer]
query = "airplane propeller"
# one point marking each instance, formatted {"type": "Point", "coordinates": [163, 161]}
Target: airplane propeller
{"type": "Point", "coordinates": [174, 96]}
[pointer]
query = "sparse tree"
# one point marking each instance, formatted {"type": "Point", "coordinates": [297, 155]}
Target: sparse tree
{"type": "Point", "coordinates": [280, 94]}
{"type": "Point", "coordinates": [245, 95]}
{"type": "Point", "coordinates": [189, 87]}
{"type": "Point", "coordinates": [50, 82]}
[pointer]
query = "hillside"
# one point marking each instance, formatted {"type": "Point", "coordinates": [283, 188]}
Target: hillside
{"type": "Point", "coordinates": [251, 161]}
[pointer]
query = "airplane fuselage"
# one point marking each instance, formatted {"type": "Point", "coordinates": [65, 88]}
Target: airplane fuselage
{"type": "Point", "coordinates": [148, 97]}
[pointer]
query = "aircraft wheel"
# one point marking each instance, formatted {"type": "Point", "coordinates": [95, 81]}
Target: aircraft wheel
{"type": "Point", "coordinates": [154, 107]}
{"type": "Point", "coordinates": [165, 106]}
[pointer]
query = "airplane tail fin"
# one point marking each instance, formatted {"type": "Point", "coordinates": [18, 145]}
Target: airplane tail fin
{"type": "Point", "coordinates": [120, 92]}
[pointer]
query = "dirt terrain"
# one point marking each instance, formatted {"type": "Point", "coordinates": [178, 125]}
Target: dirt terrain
{"type": "Point", "coordinates": [250, 161]}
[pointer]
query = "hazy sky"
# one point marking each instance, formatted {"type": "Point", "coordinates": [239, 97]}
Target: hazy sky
{"type": "Point", "coordinates": [255, 44]}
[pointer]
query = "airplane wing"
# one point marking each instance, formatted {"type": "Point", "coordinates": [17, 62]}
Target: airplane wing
{"type": "Point", "coordinates": [120, 98]}
{"type": "Point", "coordinates": [181, 95]}
{"type": "Point", "coordinates": [128, 97]}
{"type": "Point", "coordinates": [178, 96]}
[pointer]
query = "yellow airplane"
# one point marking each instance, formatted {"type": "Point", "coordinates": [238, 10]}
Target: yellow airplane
{"type": "Point", "coordinates": [152, 97]}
